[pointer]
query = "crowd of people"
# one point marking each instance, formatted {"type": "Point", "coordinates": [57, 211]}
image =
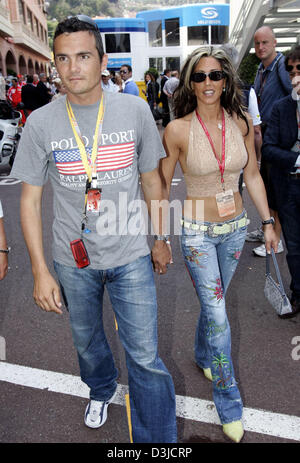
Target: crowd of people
{"type": "Point", "coordinates": [211, 135]}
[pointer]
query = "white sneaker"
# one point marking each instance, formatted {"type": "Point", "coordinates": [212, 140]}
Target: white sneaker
{"type": "Point", "coordinates": [255, 235]}
{"type": "Point", "coordinates": [261, 250]}
{"type": "Point", "coordinates": [96, 412]}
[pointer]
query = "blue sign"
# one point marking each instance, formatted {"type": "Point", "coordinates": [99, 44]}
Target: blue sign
{"type": "Point", "coordinates": [116, 63]}
{"type": "Point", "coordinates": [203, 14]}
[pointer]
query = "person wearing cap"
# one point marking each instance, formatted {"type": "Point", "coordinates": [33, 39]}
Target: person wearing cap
{"type": "Point", "coordinates": [21, 80]}
{"type": "Point", "coordinates": [59, 88]}
{"type": "Point", "coordinates": [106, 82]}
{"type": "Point", "coordinates": [14, 93]}
{"type": "Point", "coordinates": [3, 247]}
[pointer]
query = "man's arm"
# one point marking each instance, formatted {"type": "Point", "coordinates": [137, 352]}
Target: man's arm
{"type": "Point", "coordinates": [46, 291]}
{"type": "Point", "coordinates": [158, 210]}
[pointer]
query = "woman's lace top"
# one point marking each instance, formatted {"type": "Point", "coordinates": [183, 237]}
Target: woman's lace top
{"type": "Point", "coordinates": [203, 177]}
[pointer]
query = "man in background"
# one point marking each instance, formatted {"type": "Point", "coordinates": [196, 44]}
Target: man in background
{"type": "Point", "coordinates": [130, 85]}
{"type": "Point", "coordinates": [271, 83]}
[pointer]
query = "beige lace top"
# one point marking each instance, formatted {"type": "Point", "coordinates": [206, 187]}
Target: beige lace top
{"type": "Point", "coordinates": [203, 177]}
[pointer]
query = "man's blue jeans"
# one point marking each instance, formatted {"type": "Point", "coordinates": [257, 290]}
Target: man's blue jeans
{"type": "Point", "coordinates": [211, 262]}
{"type": "Point", "coordinates": [132, 293]}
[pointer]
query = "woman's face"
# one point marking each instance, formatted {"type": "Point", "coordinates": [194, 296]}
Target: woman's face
{"type": "Point", "coordinates": [209, 91]}
{"type": "Point", "coordinates": [147, 77]}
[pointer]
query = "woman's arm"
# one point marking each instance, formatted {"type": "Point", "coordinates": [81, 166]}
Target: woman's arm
{"type": "Point", "coordinates": [172, 148]}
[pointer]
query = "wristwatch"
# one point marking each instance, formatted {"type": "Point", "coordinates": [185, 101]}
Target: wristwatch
{"type": "Point", "coordinates": [270, 220]}
{"type": "Point", "coordinates": [6, 251]}
{"type": "Point", "coordinates": [165, 238]}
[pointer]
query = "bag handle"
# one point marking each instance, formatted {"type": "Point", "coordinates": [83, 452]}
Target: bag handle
{"type": "Point", "coordinates": [276, 269]}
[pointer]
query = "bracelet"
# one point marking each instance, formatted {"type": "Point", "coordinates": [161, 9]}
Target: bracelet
{"type": "Point", "coordinates": [6, 251]}
{"type": "Point", "coordinates": [165, 238]}
{"type": "Point", "coordinates": [270, 221]}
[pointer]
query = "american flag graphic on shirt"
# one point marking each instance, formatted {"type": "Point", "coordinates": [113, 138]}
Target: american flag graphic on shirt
{"type": "Point", "coordinates": [112, 157]}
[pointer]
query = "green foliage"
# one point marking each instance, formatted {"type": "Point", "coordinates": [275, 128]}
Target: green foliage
{"type": "Point", "coordinates": [60, 9]}
{"type": "Point", "coordinates": [153, 71]}
{"type": "Point", "coordinates": [248, 68]}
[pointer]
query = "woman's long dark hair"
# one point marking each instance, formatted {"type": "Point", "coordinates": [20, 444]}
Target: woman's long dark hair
{"type": "Point", "coordinates": [185, 100]}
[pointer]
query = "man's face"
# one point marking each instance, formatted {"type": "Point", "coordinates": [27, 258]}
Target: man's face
{"type": "Point", "coordinates": [264, 44]}
{"type": "Point", "coordinates": [124, 72]}
{"type": "Point", "coordinates": [294, 73]}
{"type": "Point", "coordinates": [79, 67]}
{"type": "Point", "coordinates": [105, 79]}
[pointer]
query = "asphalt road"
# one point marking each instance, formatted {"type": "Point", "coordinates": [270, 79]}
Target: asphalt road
{"type": "Point", "coordinates": [35, 345]}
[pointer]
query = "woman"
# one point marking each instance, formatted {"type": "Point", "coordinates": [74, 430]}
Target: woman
{"type": "Point", "coordinates": [151, 92]}
{"type": "Point", "coordinates": [213, 139]}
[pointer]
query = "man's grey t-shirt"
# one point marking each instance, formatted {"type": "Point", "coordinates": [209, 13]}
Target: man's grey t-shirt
{"type": "Point", "coordinates": [130, 145]}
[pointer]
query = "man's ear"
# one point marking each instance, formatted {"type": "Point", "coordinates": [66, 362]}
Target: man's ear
{"type": "Point", "coordinates": [104, 62]}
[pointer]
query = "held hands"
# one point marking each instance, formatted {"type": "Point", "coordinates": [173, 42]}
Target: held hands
{"type": "Point", "coordinates": [161, 256]}
{"type": "Point", "coordinates": [46, 293]}
{"type": "Point", "coordinates": [271, 239]}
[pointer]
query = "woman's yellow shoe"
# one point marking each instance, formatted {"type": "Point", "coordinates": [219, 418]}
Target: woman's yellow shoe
{"type": "Point", "coordinates": [234, 430]}
{"type": "Point", "coordinates": [207, 373]}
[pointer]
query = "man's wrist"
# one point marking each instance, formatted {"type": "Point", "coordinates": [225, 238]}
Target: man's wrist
{"type": "Point", "coordinates": [165, 238]}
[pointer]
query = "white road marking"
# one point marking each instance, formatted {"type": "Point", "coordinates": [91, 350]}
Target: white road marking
{"type": "Point", "coordinates": [254, 420]}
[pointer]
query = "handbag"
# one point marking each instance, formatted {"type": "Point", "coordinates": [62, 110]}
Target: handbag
{"type": "Point", "coordinates": [274, 291]}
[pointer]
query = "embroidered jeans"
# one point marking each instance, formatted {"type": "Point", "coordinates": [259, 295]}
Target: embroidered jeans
{"type": "Point", "coordinates": [211, 262]}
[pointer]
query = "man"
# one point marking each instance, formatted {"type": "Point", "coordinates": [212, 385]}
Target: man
{"type": "Point", "coordinates": [35, 79]}
{"type": "Point", "coordinates": [281, 148]}
{"type": "Point", "coordinates": [164, 98]}
{"type": "Point", "coordinates": [4, 250]}
{"type": "Point", "coordinates": [21, 80]}
{"type": "Point", "coordinates": [271, 83]}
{"type": "Point", "coordinates": [130, 85]}
{"type": "Point", "coordinates": [14, 93]}
{"type": "Point", "coordinates": [92, 170]}
{"type": "Point", "coordinates": [169, 88]}
{"type": "Point", "coordinates": [30, 96]}
{"type": "Point", "coordinates": [44, 91]}
{"type": "Point", "coordinates": [107, 83]}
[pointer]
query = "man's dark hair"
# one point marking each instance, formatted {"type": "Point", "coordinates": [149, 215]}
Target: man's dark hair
{"type": "Point", "coordinates": [29, 79]}
{"type": "Point", "coordinates": [166, 71]}
{"type": "Point", "coordinates": [77, 24]}
{"type": "Point", "coordinates": [293, 55]}
{"type": "Point", "coordinates": [129, 68]}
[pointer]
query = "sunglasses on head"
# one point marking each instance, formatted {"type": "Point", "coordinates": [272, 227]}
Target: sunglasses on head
{"type": "Point", "coordinates": [85, 19]}
{"type": "Point", "coordinates": [290, 68]}
{"type": "Point", "coordinates": [213, 75]}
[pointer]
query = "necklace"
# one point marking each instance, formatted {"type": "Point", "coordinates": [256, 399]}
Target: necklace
{"type": "Point", "coordinates": [220, 125]}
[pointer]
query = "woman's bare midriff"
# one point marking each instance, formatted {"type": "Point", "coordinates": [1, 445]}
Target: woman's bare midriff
{"type": "Point", "coordinates": [205, 209]}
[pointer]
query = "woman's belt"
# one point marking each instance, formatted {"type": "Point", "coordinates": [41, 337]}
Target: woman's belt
{"type": "Point", "coordinates": [215, 228]}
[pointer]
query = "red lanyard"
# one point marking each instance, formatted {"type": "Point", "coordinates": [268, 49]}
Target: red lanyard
{"type": "Point", "coordinates": [220, 164]}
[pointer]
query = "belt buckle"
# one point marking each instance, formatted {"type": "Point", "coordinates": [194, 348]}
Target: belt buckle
{"type": "Point", "coordinates": [210, 231]}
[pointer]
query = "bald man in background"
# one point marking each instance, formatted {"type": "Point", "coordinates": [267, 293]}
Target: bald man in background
{"type": "Point", "coordinates": [271, 83]}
